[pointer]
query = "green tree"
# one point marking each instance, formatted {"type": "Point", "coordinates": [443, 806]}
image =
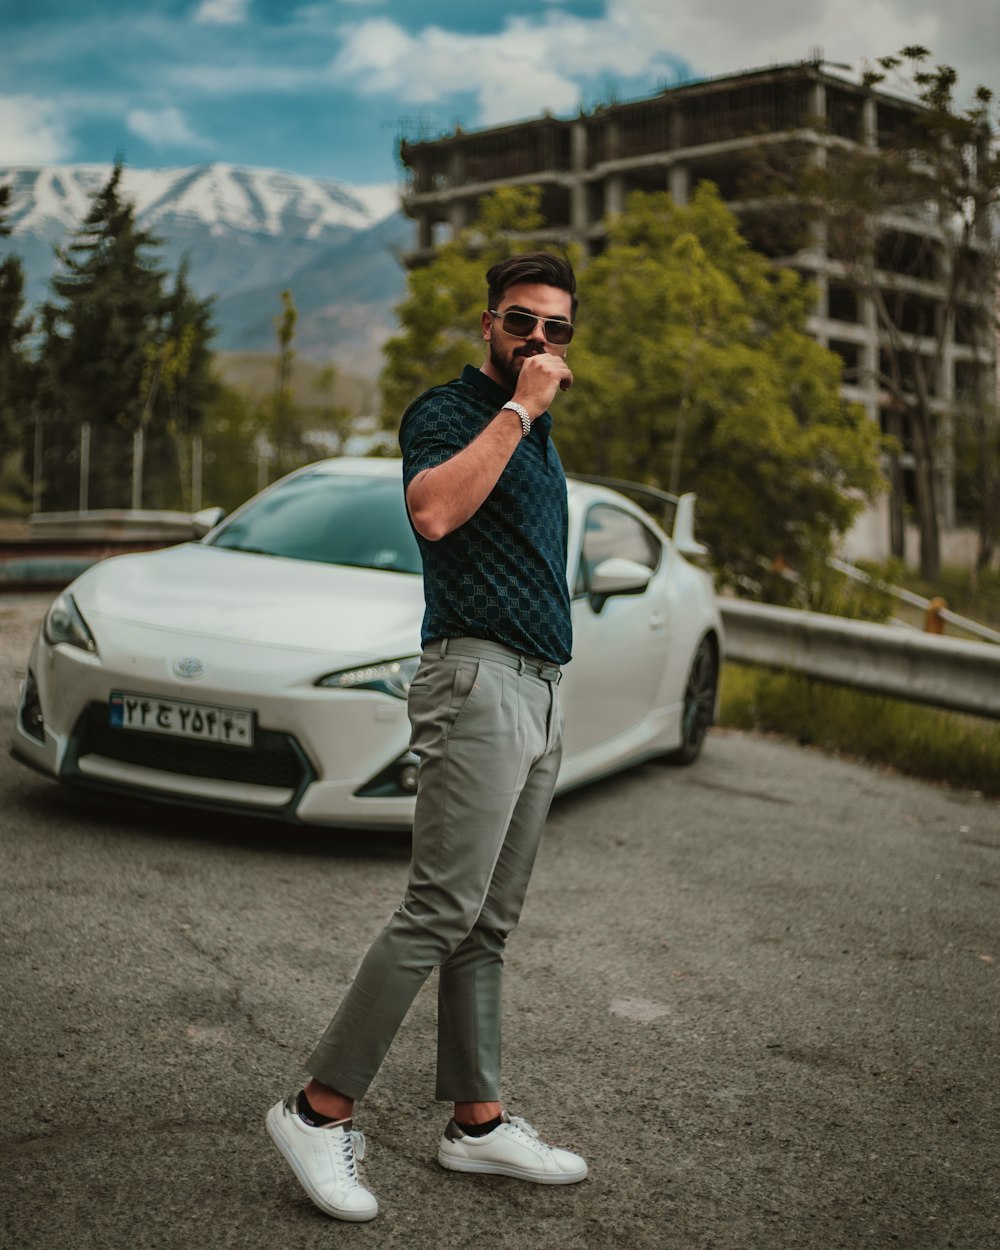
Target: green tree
{"type": "Point", "coordinates": [282, 438]}
{"type": "Point", "coordinates": [329, 420]}
{"type": "Point", "coordinates": [16, 376]}
{"type": "Point", "coordinates": [296, 424]}
{"type": "Point", "coordinates": [693, 370]}
{"type": "Point", "coordinates": [231, 430]}
{"type": "Point", "coordinates": [178, 384]}
{"type": "Point", "coordinates": [124, 353]}
{"type": "Point", "coordinates": [99, 334]}
{"type": "Point", "coordinates": [439, 318]}
{"type": "Point", "coordinates": [909, 210]}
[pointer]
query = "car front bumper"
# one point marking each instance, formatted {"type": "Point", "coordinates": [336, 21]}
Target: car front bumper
{"type": "Point", "coordinates": [320, 756]}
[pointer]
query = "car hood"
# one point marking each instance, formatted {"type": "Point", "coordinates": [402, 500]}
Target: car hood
{"type": "Point", "coordinates": [203, 591]}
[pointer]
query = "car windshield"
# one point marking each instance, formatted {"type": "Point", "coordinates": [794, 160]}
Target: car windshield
{"type": "Point", "coordinates": [331, 518]}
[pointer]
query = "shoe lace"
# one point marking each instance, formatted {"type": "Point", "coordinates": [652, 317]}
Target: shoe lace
{"type": "Point", "coordinates": [352, 1146]}
{"type": "Point", "coordinates": [519, 1125]}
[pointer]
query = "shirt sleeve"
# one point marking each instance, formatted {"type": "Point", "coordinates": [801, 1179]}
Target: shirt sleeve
{"type": "Point", "coordinates": [433, 430]}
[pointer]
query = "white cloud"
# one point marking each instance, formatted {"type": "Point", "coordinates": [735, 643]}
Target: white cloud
{"type": "Point", "coordinates": [510, 73]}
{"type": "Point", "coordinates": [32, 131]}
{"type": "Point", "coordinates": [542, 62]}
{"type": "Point", "coordinates": [222, 12]}
{"type": "Point", "coordinates": [163, 128]}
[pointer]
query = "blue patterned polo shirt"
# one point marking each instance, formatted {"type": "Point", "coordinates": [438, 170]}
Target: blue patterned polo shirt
{"type": "Point", "coordinates": [501, 575]}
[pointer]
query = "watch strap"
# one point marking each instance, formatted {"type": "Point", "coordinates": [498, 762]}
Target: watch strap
{"type": "Point", "coordinates": [522, 412]}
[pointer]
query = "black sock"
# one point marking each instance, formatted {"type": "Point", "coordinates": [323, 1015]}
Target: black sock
{"type": "Point", "coordinates": [480, 1130]}
{"type": "Point", "coordinates": [310, 1116]}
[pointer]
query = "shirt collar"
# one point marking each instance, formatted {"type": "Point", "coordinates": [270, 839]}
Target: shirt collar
{"type": "Point", "coordinates": [499, 395]}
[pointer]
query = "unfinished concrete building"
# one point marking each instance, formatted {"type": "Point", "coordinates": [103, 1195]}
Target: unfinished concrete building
{"type": "Point", "coordinates": [586, 166]}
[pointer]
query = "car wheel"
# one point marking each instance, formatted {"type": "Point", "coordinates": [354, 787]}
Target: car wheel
{"type": "Point", "coordinates": [699, 704]}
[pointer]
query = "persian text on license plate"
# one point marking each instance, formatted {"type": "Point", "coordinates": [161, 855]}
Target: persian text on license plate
{"type": "Point", "coordinates": [233, 726]}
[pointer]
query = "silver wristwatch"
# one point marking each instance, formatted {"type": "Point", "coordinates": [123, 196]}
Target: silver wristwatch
{"type": "Point", "coordinates": [522, 412]}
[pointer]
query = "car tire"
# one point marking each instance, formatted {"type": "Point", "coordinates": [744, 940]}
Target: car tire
{"type": "Point", "coordinates": [699, 703]}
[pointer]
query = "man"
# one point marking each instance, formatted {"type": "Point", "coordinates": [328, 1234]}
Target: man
{"type": "Point", "coordinates": [486, 495]}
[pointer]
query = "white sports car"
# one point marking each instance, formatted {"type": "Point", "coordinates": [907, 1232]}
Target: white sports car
{"type": "Point", "coordinates": [264, 668]}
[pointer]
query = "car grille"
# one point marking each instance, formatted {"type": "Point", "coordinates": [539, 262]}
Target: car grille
{"type": "Point", "coordinates": [275, 759]}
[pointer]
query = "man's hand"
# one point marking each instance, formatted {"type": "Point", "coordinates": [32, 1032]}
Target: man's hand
{"type": "Point", "coordinates": [540, 377]}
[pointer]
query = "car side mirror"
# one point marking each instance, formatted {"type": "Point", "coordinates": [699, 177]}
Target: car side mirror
{"type": "Point", "coordinates": [205, 520]}
{"type": "Point", "coordinates": [617, 576]}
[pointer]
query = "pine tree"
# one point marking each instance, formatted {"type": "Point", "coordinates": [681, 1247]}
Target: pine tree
{"type": "Point", "coordinates": [16, 376]}
{"type": "Point", "coordinates": [178, 387]}
{"type": "Point", "coordinates": [109, 334]}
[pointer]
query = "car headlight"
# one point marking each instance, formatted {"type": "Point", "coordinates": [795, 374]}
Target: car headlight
{"type": "Point", "coordinates": [64, 623]}
{"type": "Point", "coordinates": [389, 676]}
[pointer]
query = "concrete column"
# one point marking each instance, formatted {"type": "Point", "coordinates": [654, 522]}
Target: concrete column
{"type": "Point", "coordinates": [817, 105]}
{"type": "Point", "coordinates": [869, 123]}
{"type": "Point", "coordinates": [821, 283]}
{"type": "Point", "coordinates": [612, 139]}
{"type": "Point", "coordinates": [579, 216]}
{"type": "Point", "coordinates": [425, 230]}
{"type": "Point", "coordinates": [578, 147]}
{"type": "Point", "coordinates": [676, 128]}
{"type": "Point", "coordinates": [679, 182]}
{"type": "Point", "coordinates": [456, 167]}
{"type": "Point", "coordinates": [614, 194]}
{"type": "Point", "coordinates": [457, 215]}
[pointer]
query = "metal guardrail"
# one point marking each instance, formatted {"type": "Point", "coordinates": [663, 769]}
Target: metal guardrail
{"type": "Point", "coordinates": [112, 525]}
{"type": "Point", "coordinates": [916, 601]}
{"type": "Point", "coordinates": [921, 668]}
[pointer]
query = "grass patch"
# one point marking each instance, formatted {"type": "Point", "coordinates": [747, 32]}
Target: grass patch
{"type": "Point", "coordinates": [925, 742]}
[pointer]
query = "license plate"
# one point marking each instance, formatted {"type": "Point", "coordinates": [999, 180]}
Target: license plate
{"type": "Point", "coordinates": [204, 721]}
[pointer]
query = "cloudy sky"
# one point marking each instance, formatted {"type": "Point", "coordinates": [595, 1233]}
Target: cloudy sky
{"type": "Point", "coordinates": [325, 88]}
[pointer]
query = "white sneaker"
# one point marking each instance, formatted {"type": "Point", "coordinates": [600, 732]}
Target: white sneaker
{"type": "Point", "coordinates": [512, 1149]}
{"type": "Point", "coordinates": [325, 1161]}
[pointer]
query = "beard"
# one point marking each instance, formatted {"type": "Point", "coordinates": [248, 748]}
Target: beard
{"type": "Point", "coordinates": [509, 366]}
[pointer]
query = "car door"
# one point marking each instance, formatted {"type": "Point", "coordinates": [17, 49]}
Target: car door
{"type": "Point", "coordinates": [618, 644]}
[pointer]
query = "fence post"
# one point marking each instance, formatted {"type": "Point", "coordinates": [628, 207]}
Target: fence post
{"type": "Point", "coordinates": [84, 466]}
{"type": "Point", "coordinates": [36, 468]}
{"type": "Point", "coordinates": [196, 455]}
{"type": "Point", "coordinates": [137, 450]}
{"type": "Point", "coordinates": [934, 621]}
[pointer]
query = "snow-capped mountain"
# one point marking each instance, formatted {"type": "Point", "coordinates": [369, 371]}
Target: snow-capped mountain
{"type": "Point", "coordinates": [220, 197]}
{"type": "Point", "coordinates": [248, 234]}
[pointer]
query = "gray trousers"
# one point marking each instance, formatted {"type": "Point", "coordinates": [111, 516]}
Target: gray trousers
{"type": "Point", "coordinates": [487, 726]}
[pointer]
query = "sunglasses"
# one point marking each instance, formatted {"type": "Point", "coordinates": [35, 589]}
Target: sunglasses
{"type": "Point", "coordinates": [520, 325]}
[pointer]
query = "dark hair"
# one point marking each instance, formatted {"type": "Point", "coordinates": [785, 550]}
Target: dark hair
{"type": "Point", "coordinates": [544, 268]}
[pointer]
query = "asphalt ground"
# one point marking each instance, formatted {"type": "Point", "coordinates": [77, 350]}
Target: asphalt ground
{"type": "Point", "coordinates": [760, 995]}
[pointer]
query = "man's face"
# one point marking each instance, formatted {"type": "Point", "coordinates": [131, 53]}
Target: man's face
{"type": "Point", "coordinates": [506, 353]}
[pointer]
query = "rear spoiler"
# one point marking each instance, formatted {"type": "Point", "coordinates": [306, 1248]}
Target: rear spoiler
{"type": "Point", "coordinates": [682, 530]}
{"type": "Point", "coordinates": [683, 535]}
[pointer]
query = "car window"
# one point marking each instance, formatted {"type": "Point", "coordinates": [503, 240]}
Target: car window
{"type": "Point", "coordinates": [330, 518]}
{"type": "Point", "coordinates": [610, 531]}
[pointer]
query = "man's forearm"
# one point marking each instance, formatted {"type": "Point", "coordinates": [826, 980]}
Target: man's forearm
{"type": "Point", "coordinates": [443, 498]}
